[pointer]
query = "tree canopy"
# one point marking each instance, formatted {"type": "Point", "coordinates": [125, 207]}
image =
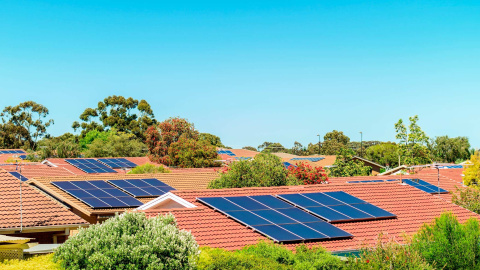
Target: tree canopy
{"type": "Point", "coordinates": [175, 142]}
{"type": "Point", "coordinates": [413, 143]}
{"type": "Point", "coordinates": [385, 154]}
{"type": "Point", "coordinates": [333, 142]}
{"type": "Point", "coordinates": [23, 125]}
{"type": "Point", "coordinates": [445, 149]}
{"type": "Point", "coordinates": [124, 114]}
{"type": "Point", "coordinates": [346, 165]}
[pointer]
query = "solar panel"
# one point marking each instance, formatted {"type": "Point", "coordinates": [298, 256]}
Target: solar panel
{"type": "Point", "coordinates": [12, 152]}
{"type": "Point", "coordinates": [274, 218]}
{"type": "Point", "coordinates": [23, 157]}
{"type": "Point", "coordinates": [142, 187]}
{"type": "Point", "coordinates": [424, 186]}
{"type": "Point", "coordinates": [288, 164]}
{"type": "Point", "coordinates": [243, 158]}
{"type": "Point", "coordinates": [312, 159]}
{"type": "Point", "coordinates": [89, 165]}
{"type": "Point", "coordinates": [336, 206]}
{"type": "Point", "coordinates": [19, 176]}
{"type": "Point", "coordinates": [451, 167]}
{"type": "Point", "coordinates": [117, 163]}
{"type": "Point", "coordinates": [98, 194]}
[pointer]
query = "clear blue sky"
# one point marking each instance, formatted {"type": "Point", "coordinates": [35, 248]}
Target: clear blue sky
{"type": "Point", "coordinates": [251, 71]}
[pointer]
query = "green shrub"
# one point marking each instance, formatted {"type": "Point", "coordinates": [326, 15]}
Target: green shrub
{"type": "Point", "coordinates": [388, 254]}
{"type": "Point", "coordinates": [148, 168]}
{"type": "Point", "coordinates": [130, 241]}
{"type": "Point", "coordinates": [216, 258]}
{"type": "Point", "coordinates": [468, 198]}
{"type": "Point", "coordinates": [267, 255]}
{"type": "Point", "coordinates": [449, 244]}
{"type": "Point", "coordinates": [265, 170]}
{"type": "Point", "coordinates": [116, 145]}
{"type": "Point", "coordinates": [43, 262]}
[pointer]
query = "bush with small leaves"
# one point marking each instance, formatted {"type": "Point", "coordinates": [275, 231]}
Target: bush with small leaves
{"type": "Point", "coordinates": [130, 241]}
{"type": "Point", "coordinates": [149, 168]}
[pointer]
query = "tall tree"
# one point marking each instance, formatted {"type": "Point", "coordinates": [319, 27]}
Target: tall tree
{"type": "Point", "coordinates": [445, 149]}
{"type": "Point", "coordinates": [413, 142]}
{"type": "Point", "coordinates": [124, 114]}
{"type": "Point", "coordinates": [175, 142]}
{"type": "Point", "coordinates": [24, 124]}
{"type": "Point", "coordinates": [333, 142]}
{"type": "Point", "coordinates": [271, 147]}
{"type": "Point", "coordinates": [298, 149]}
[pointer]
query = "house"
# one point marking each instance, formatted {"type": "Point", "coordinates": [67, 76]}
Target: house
{"type": "Point", "coordinates": [26, 212]}
{"type": "Point", "coordinates": [178, 181]}
{"type": "Point", "coordinates": [411, 207]}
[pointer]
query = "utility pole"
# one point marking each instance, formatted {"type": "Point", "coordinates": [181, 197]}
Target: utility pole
{"type": "Point", "coordinates": [361, 144]}
{"type": "Point", "coordinates": [318, 144]}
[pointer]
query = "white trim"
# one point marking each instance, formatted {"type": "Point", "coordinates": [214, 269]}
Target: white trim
{"type": "Point", "coordinates": [48, 163]}
{"type": "Point", "coordinates": [165, 197]}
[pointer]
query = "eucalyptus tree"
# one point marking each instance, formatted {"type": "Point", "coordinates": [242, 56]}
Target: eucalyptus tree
{"type": "Point", "coordinates": [24, 124]}
{"type": "Point", "coordinates": [124, 114]}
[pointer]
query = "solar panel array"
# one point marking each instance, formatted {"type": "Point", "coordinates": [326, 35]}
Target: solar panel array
{"type": "Point", "coordinates": [142, 187]}
{"type": "Point", "coordinates": [372, 181]}
{"type": "Point", "coordinates": [23, 157]}
{"type": "Point", "coordinates": [451, 167]}
{"type": "Point", "coordinates": [19, 176]}
{"type": "Point", "coordinates": [117, 163]}
{"type": "Point", "coordinates": [312, 159]}
{"type": "Point", "coordinates": [424, 186]}
{"type": "Point", "coordinates": [90, 165]}
{"type": "Point", "coordinates": [98, 194]}
{"type": "Point", "coordinates": [275, 218]}
{"type": "Point", "coordinates": [336, 206]}
{"type": "Point", "coordinates": [12, 152]}
{"type": "Point", "coordinates": [226, 152]}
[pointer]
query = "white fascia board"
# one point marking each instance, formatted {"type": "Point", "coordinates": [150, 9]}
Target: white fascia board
{"type": "Point", "coordinates": [164, 197]}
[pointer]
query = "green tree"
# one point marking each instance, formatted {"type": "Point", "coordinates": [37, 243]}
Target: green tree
{"type": "Point", "coordinates": [124, 114]}
{"type": "Point", "coordinates": [118, 144]}
{"type": "Point", "coordinates": [211, 139]}
{"type": "Point", "coordinates": [468, 198]}
{"type": "Point", "coordinates": [298, 149]}
{"type": "Point", "coordinates": [333, 142]}
{"type": "Point", "coordinates": [385, 154]}
{"type": "Point", "coordinates": [445, 149]}
{"type": "Point", "coordinates": [345, 165]}
{"type": "Point", "coordinates": [24, 124]}
{"type": "Point", "coordinates": [449, 244]}
{"type": "Point", "coordinates": [272, 147]}
{"type": "Point", "coordinates": [312, 149]}
{"type": "Point", "coordinates": [413, 148]}
{"type": "Point", "coordinates": [149, 168]}
{"type": "Point", "coordinates": [251, 148]}
{"type": "Point", "coordinates": [130, 241]}
{"type": "Point", "coordinates": [63, 146]}
{"type": "Point", "coordinates": [94, 134]}
{"type": "Point", "coordinates": [265, 170]}
{"type": "Point", "coordinates": [190, 153]}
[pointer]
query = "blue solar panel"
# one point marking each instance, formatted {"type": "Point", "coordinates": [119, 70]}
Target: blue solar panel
{"type": "Point", "coordinates": [117, 163]}
{"type": "Point", "coordinates": [19, 176]}
{"type": "Point", "coordinates": [288, 164]}
{"type": "Point", "coordinates": [23, 157]}
{"type": "Point", "coordinates": [142, 187]}
{"type": "Point", "coordinates": [371, 181]}
{"type": "Point", "coordinates": [424, 186]}
{"type": "Point", "coordinates": [90, 165]}
{"type": "Point", "coordinates": [274, 218]}
{"type": "Point", "coordinates": [312, 159]}
{"type": "Point", "coordinates": [336, 206]}
{"type": "Point", "coordinates": [12, 152]}
{"type": "Point", "coordinates": [98, 194]}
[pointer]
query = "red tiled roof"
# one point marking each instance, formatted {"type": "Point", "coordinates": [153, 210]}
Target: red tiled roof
{"type": "Point", "coordinates": [413, 208]}
{"type": "Point", "coordinates": [37, 208]}
{"type": "Point", "coordinates": [38, 170]}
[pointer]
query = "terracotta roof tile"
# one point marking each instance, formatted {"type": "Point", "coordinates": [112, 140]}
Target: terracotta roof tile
{"type": "Point", "coordinates": [413, 208]}
{"type": "Point", "coordinates": [37, 209]}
